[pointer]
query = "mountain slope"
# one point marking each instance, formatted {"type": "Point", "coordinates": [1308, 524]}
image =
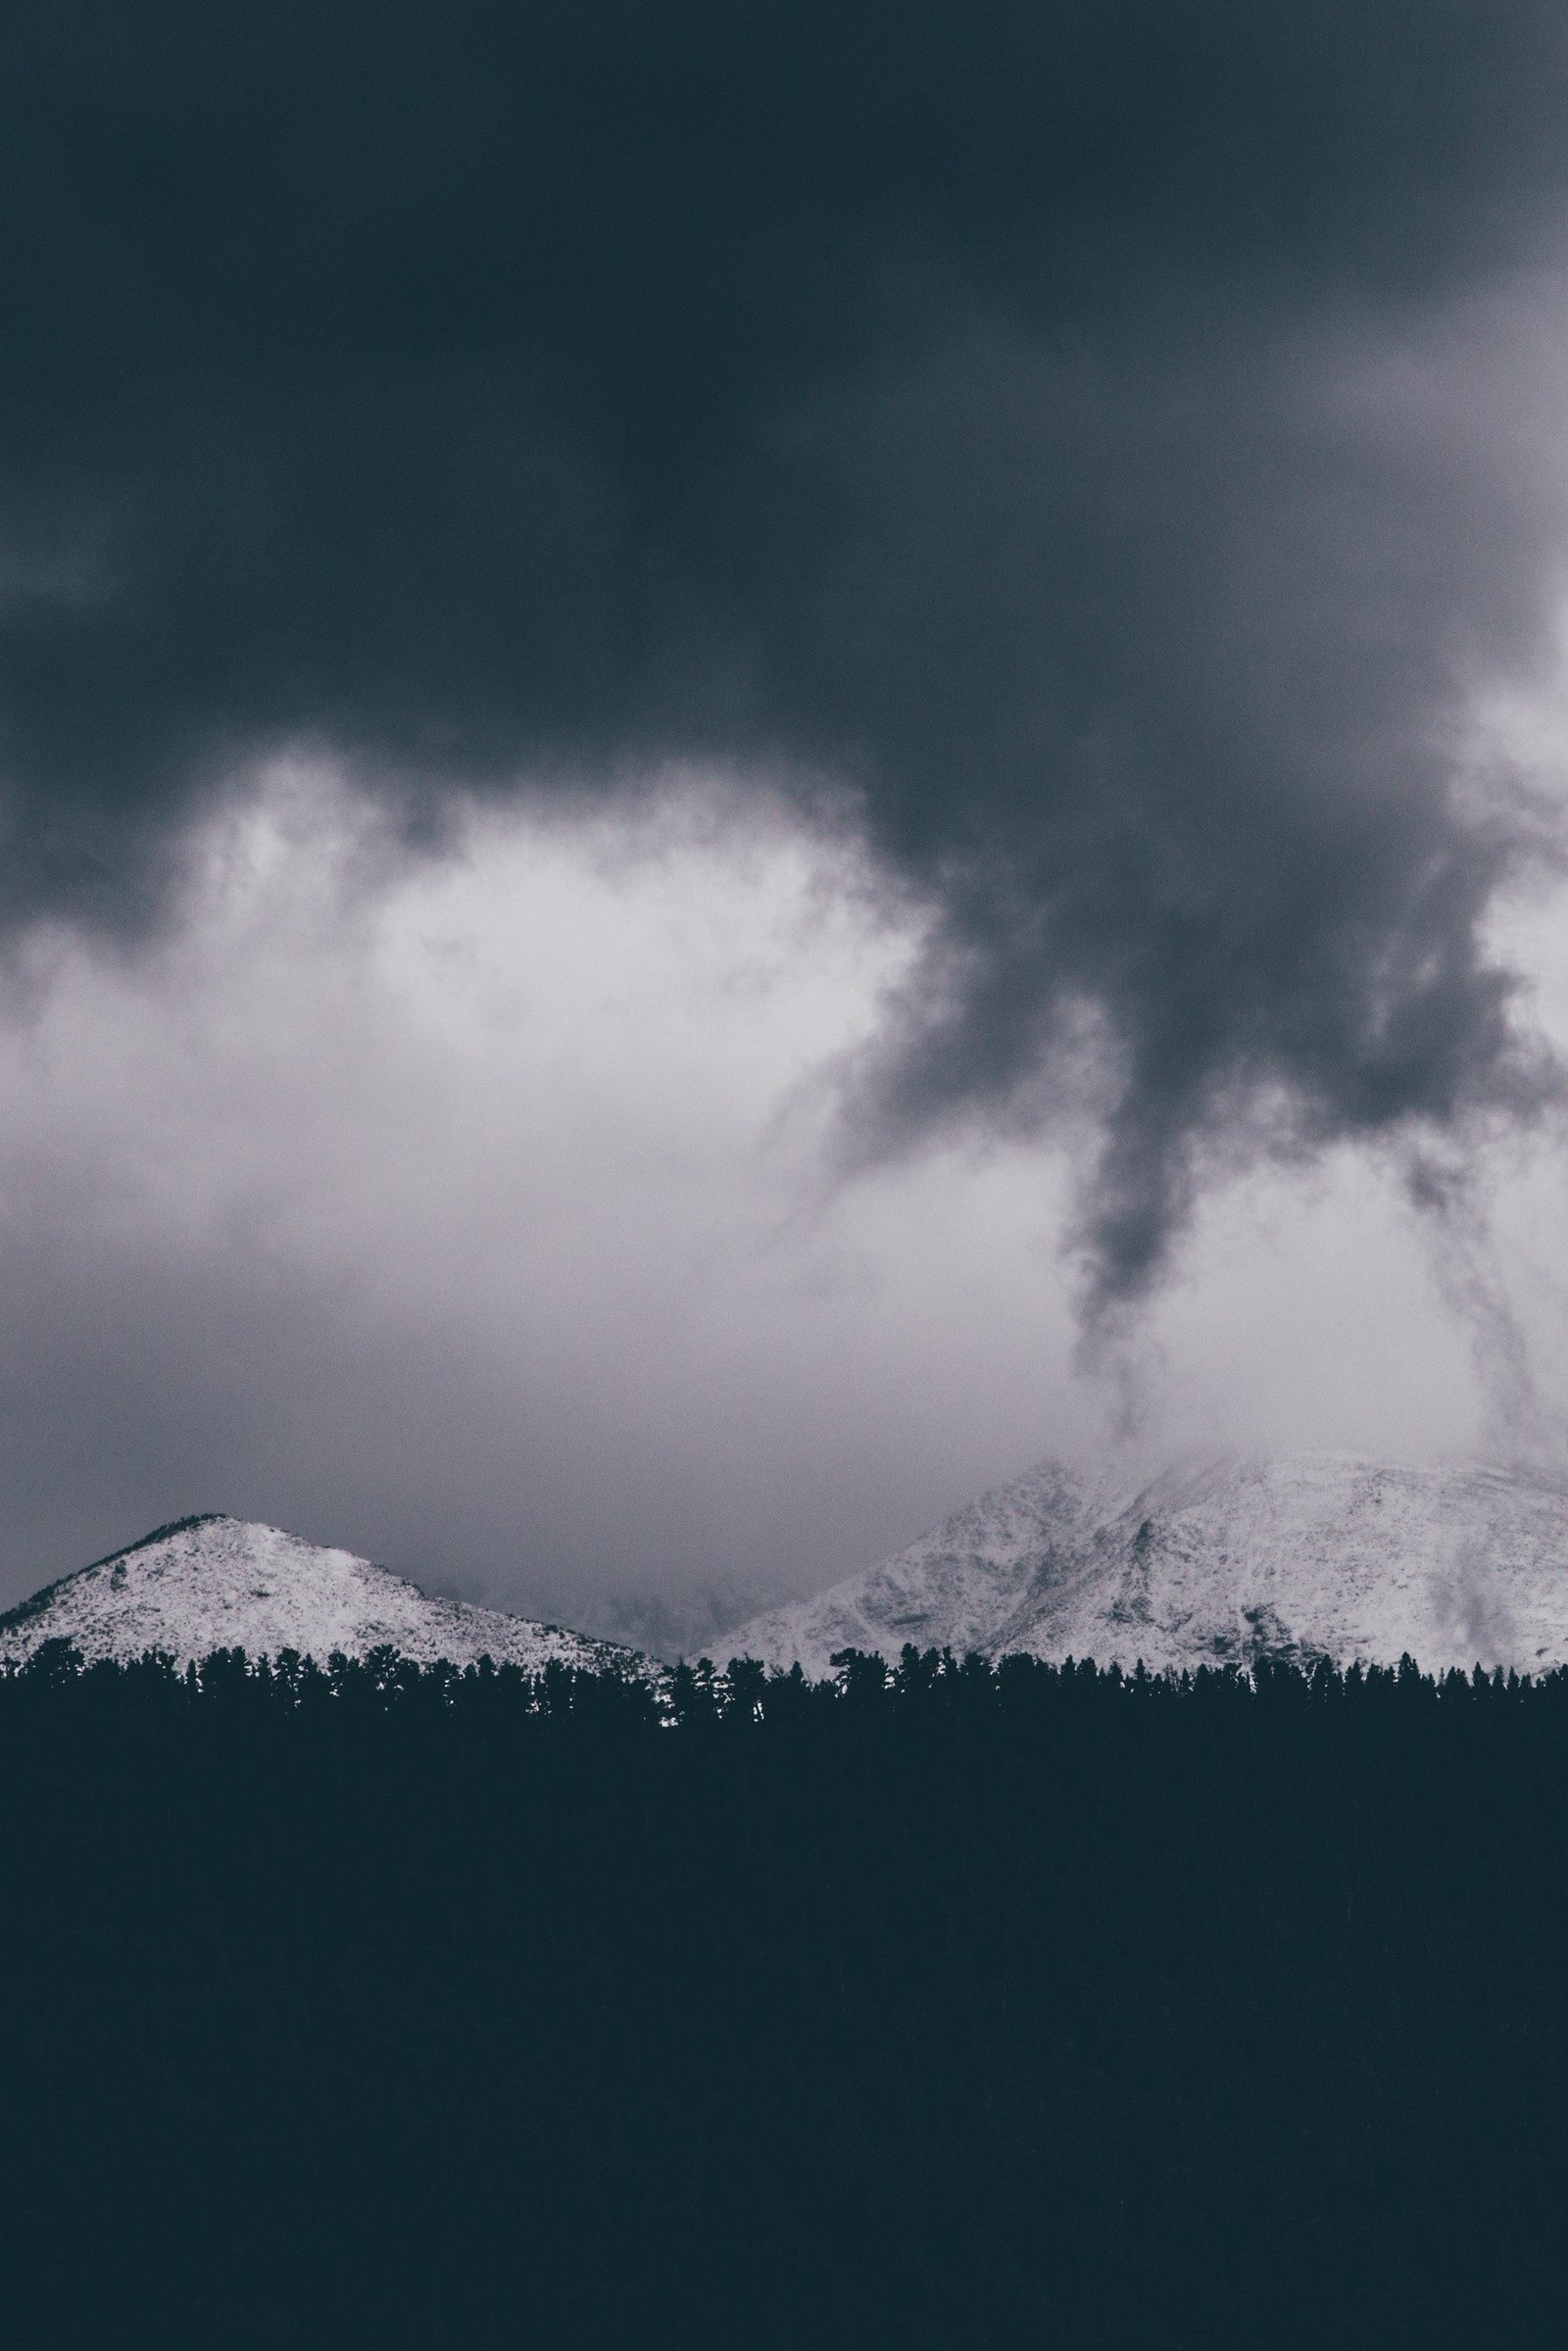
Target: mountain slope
{"type": "Point", "coordinates": [1293, 1555]}
{"type": "Point", "coordinates": [210, 1582]}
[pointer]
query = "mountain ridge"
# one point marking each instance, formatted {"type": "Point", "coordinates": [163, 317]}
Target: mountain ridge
{"type": "Point", "coordinates": [209, 1581]}
{"type": "Point", "coordinates": [1213, 1560]}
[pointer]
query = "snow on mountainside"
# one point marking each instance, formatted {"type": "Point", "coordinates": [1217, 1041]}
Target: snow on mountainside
{"type": "Point", "coordinates": [211, 1582]}
{"type": "Point", "coordinates": [1295, 1555]}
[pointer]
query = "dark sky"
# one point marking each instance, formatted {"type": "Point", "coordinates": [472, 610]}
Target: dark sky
{"type": "Point", "coordinates": [1095, 473]}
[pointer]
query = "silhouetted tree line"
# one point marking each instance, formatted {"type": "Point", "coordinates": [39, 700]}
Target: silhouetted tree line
{"type": "Point", "coordinates": [945, 2006]}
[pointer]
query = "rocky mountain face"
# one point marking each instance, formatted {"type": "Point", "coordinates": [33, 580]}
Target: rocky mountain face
{"type": "Point", "coordinates": [210, 1582]}
{"type": "Point", "coordinates": [1293, 1556]}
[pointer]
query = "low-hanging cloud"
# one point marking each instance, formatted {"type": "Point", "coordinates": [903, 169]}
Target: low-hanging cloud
{"type": "Point", "coordinates": [467, 1214]}
{"type": "Point", "coordinates": [1099, 452]}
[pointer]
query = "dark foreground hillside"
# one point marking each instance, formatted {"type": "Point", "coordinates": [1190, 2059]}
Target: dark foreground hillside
{"type": "Point", "coordinates": [1037, 2007]}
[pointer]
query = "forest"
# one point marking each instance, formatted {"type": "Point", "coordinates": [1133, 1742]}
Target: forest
{"type": "Point", "coordinates": [944, 2005]}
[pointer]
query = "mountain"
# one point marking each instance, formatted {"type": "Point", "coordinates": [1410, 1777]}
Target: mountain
{"type": "Point", "coordinates": [692, 1620]}
{"type": "Point", "coordinates": [210, 1582]}
{"type": "Point", "coordinates": [1224, 1561]}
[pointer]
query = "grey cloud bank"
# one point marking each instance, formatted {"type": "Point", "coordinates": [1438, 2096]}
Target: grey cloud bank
{"type": "Point", "coordinates": [1110, 445]}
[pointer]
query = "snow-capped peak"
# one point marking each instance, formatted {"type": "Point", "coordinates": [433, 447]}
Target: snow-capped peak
{"type": "Point", "coordinates": [210, 1582]}
{"type": "Point", "coordinates": [1218, 1561]}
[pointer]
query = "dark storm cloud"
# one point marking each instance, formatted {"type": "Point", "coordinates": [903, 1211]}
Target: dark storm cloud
{"type": "Point", "coordinates": [999, 411]}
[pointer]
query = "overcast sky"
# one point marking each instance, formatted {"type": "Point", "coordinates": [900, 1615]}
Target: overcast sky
{"type": "Point", "coordinates": [754, 759]}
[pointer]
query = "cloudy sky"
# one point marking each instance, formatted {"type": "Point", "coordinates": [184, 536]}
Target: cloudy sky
{"type": "Point", "coordinates": [752, 759]}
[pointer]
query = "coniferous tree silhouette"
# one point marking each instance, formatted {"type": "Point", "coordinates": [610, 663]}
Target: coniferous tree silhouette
{"type": "Point", "coordinates": [366, 2004]}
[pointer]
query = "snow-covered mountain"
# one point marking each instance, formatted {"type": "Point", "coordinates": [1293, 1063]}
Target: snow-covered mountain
{"type": "Point", "coordinates": [1295, 1555]}
{"type": "Point", "coordinates": [210, 1582]}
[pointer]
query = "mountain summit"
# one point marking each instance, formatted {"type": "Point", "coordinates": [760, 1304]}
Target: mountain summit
{"type": "Point", "coordinates": [1297, 1557]}
{"type": "Point", "coordinates": [210, 1583]}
